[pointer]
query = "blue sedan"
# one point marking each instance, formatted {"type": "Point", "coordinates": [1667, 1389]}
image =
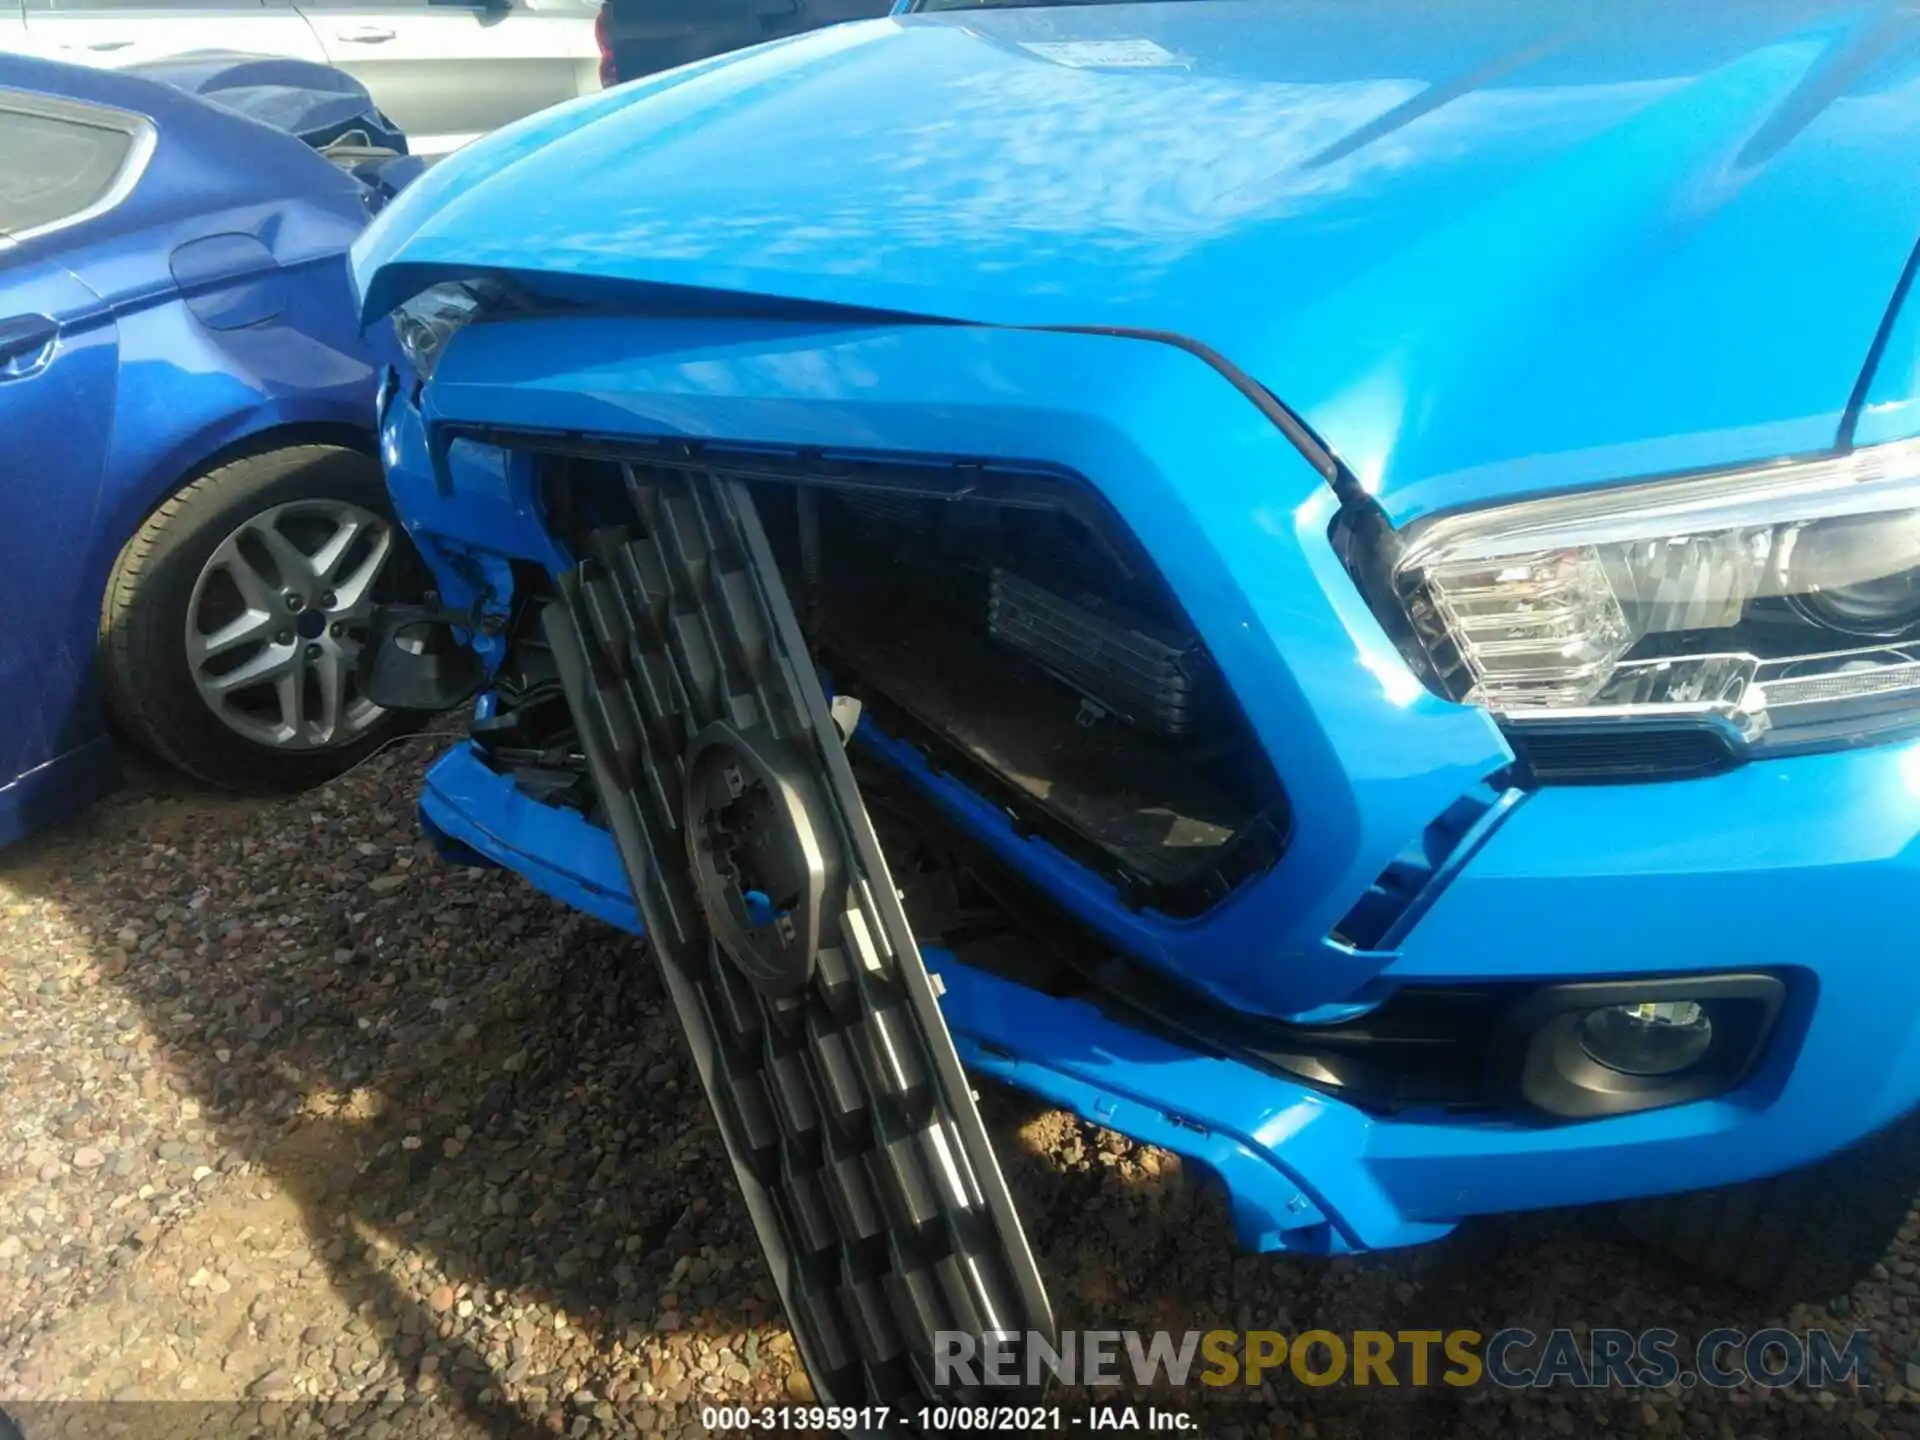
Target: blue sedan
{"type": "Point", "coordinates": [193, 526]}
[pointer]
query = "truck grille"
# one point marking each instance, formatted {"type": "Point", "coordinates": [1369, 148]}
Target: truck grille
{"type": "Point", "coordinates": [814, 1025]}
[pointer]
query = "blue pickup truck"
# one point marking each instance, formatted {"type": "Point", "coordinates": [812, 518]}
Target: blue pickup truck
{"type": "Point", "coordinates": [1332, 586]}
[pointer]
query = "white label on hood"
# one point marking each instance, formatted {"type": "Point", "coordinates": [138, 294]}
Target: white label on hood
{"type": "Point", "coordinates": [1113, 54]}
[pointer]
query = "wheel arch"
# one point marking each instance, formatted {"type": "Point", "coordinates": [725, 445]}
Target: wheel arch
{"type": "Point", "coordinates": [210, 448]}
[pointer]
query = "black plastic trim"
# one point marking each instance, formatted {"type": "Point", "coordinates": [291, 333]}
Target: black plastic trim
{"type": "Point", "coordinates": [1367, 545]}
{"type": "Point", "coordinates": [1312, 448]}
{"type": "Point", "coordinates": [432, 671]}
{"type": "Point", "coordinates": [1621, 752]}
{"type": "Point", "coordinates": [1253, 851]}
{"type": "Point", "coordinates": [1412, 881]}
{"type": "Point", "coordinates": [1863, 385]}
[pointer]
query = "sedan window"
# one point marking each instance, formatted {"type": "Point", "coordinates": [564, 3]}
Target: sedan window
{"type": "Point", "coordinates": [58, 164]}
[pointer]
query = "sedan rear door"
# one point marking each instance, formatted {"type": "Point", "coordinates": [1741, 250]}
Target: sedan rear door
{"type": "Point", "coordinates": [112, 33]}
{"type": "Point", "coordinates": [61, 164]}
{"type": "Point", "coordinates": [447, 71]}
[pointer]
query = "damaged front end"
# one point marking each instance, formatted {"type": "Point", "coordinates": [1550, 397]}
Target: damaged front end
{"type": "Point", "coordinates": [935, 695]}
{"type": "Point", "coordinates": [980, 614]}
{"type": "Point", "coordinates": [1031, 679]}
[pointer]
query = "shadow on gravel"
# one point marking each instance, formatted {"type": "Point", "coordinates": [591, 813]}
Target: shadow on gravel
{"type": "Point", "coordinates": [481, 1106]}
{"type": "Point", "coordinates": [477, 1099]}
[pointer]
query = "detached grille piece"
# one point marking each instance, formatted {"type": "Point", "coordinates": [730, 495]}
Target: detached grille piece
{"type": "Point", "coordinates": [814, 1025]}
{"type": "Point", "coordinates": [1146, 680]}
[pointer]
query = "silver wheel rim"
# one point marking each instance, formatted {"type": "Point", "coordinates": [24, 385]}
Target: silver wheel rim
{"type": "Point", "coordinates": [277, 619]}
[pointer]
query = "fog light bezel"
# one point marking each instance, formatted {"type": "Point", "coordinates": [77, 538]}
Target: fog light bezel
{"type": "Point", "coordinates": [1550, 1068]}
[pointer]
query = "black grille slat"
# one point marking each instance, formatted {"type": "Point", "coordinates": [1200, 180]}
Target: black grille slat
{"type": "Point", "coordinates": [850, 1197]}
{"type": "Point", "coordinates": [888, 1062]}
{"type": "Point", "coordinates": [734, 1004]}
{"type": "Point", "coordinates": [811, 1215]}
{"type": "Point", "coordinates": [837, 1085]}
{"type": "Point", "coordinates": [833, 979]}
{"type": "Point", "coordinates": [793, 1098]}
{"type": "Point", "coordinates": [915, 1298]}
{"type": "Point", "coordinates": [950, 1285]}
{"type": "Point", "coordinates": [865, 1303]}
{"type": "Point", "coordinates": [816, 1313]}
{"type": "Point", "coordinates": [910, 1198]}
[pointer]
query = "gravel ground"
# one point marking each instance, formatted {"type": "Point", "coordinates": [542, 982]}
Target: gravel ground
{"type": "Point", "coordinates": [294, 1116]}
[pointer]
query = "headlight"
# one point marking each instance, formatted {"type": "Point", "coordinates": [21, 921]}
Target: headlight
{"type": "Point", "coordinates": [430, 319]}
{"type": "Point", "coordinates": [1779, 602]}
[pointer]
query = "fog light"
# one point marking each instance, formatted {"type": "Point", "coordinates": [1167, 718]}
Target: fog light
{"type": "Point", "coordinates": [1651, 1038]}
{"type": "Point", "coordinates": [1584, 1049]}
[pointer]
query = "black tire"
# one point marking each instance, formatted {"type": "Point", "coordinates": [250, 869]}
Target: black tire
{"type": "Point", "coordinates": [1805, 1236]}
{"type": "Point", "coordinates": [145, 674]}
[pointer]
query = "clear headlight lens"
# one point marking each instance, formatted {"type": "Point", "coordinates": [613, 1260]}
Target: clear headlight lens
{"type": "Point", "coordinates": [1770, 599]}
{"type": "Point", "coordinates": [430, 319]}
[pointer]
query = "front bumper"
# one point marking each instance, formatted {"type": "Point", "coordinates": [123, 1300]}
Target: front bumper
{"type": "Point", "coordinates": [1802, 867]}
{"type": "Point", "coordinates": [1308, 1173]}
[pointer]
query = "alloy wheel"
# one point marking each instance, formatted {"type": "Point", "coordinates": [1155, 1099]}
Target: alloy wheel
{"type": "Point", "coordinates": [277, 619]}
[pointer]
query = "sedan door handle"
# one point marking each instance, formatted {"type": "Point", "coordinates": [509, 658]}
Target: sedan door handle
{"type": "Point", "coordinates": [26, 344]}
{"type": "Point", "coordinates": [367, 35]}
{"type": "Point", "coordinates": [100, 45]}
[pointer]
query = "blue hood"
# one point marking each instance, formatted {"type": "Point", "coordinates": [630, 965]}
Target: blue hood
{"type": "Point", "coordinates": [1482, 248]}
